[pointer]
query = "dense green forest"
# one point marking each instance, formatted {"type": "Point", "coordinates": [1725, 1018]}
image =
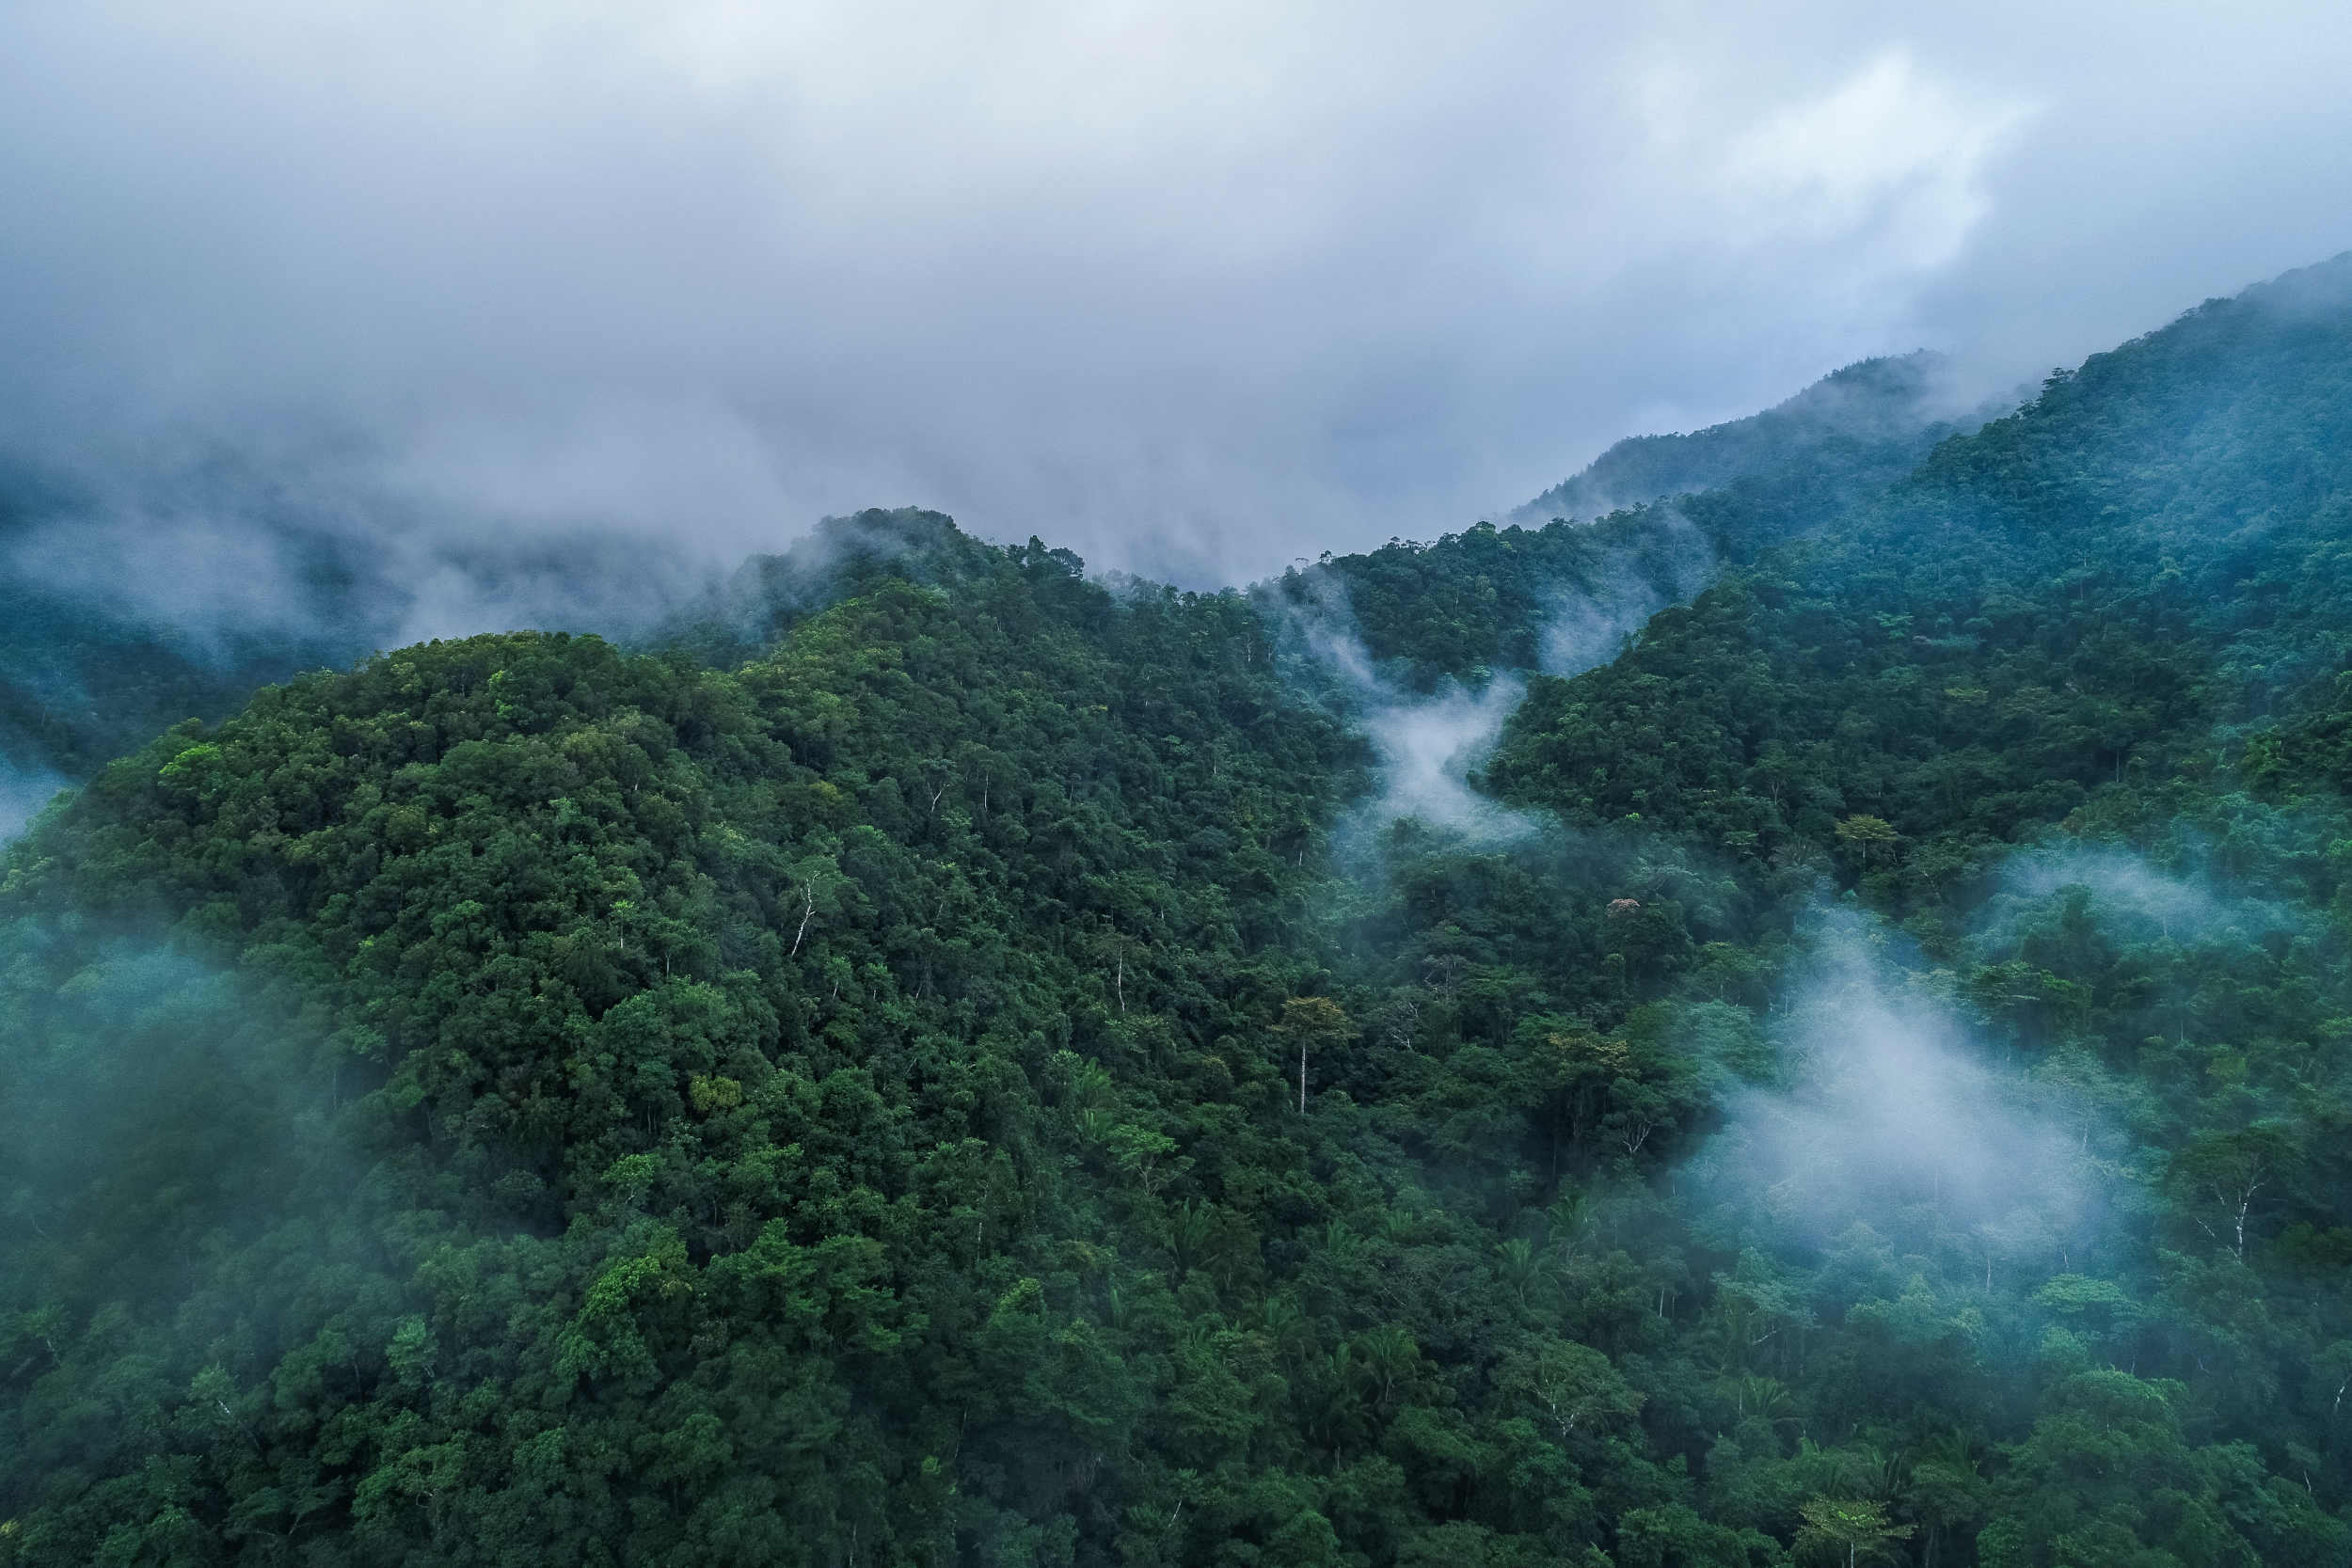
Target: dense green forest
{"type": "Point", "coordinates": [928, 1061]}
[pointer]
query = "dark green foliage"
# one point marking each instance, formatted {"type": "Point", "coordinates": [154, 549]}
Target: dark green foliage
{"type": "Point", "coordinates": [2074, 596]}
{"type": "Point", "coordinates": [1485, 599]}
{"type": "Point", "coordinates": [830, 1091]}
{"type": "Point", "coordinates": [720, 1055]}
{"type": "Point", "coordinates": [1543, 591]}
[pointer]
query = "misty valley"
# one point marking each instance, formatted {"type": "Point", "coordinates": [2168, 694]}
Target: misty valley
{"type": "Point", "coordinates": [1787, 1002]}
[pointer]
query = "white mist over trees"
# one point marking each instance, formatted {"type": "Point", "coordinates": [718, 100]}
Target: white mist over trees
{"type": "Point", "coordinates": [1891, 1119]}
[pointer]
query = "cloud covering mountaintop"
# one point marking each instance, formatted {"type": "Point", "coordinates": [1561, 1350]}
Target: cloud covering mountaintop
{"type": "Point", "coordinates": [1196, 289]}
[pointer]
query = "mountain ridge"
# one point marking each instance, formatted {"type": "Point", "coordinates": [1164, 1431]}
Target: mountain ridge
{"type": "Point", "coordinates": [1880, 416]}
{"type": "Point", "coordinates": [930, 1076]}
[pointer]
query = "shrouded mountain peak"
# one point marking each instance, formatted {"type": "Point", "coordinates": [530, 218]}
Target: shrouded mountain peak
{"type": "Point", "coordinates": [1880, 415]}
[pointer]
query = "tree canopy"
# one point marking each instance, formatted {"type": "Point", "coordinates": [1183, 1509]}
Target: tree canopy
{"type": "Point", "coordinates": [926, 1062]}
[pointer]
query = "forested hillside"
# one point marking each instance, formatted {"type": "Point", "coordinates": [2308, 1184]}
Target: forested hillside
{"type": "Point", "coordinates": [1854, 429]}
{"type": "Point", "coordinates": [1646, 524]}
{"type": "Point", "coordinates": [934, 1065]}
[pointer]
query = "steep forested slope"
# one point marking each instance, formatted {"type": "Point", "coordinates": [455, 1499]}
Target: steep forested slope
{"type": "Point", "coordinates": [2078, 592]}
{"type": "Point", "coordinates": [903, 1076]}
{"type": "Point", "coordinates": [1861, 426]}
{"type": "Point", "coordinates": [722, 999]}
{"type": "Point", "coordinates": [1546, 592]}
{"type": "Point", "coordinates": [2117, 614]}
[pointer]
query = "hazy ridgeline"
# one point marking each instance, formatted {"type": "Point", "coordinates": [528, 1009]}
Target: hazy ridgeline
{"type": "Point", "coordinates": [1849, 433]}
{"type": "Point", "coordinates": [1804, 1021]}
{"type": "Point", "coordinates": [165, 585]}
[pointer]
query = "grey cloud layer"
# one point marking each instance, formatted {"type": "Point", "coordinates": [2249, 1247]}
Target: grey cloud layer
{"type": "Point", "coordinates": [1194, 289]}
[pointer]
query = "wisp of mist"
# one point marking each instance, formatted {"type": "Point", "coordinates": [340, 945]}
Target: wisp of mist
{"type": "Point", "coordinates": [23, 793]}
{"type": "Point", "coordinates": [2128, 896]}
{"type": "Point", "coordinates": [1888, 1116]}
{"type": "Point", "coordinates": [1428, 746]}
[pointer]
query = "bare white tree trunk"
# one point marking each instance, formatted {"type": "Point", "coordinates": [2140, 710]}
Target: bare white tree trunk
{"type": "Point", "coordinates": [808, 909]}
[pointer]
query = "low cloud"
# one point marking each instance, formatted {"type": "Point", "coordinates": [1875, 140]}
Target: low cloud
{"type": "Point", "coordinates": [2129, 896]}
{"type": "Point", "coordinates": [1426, 746]}
{"type": "Point", "coordinates": [473, 304]}
{"type": "Point", "coordinates": [1190, 291]}
{"type": "Point", "coordinates": [1890, 1116]}
{"type": "Point", "coordinates": [23, 793]}
{"type": "Point", "coordinates": [1590, 624]}
{"type": "Point", "coordinates": [1429, 747]}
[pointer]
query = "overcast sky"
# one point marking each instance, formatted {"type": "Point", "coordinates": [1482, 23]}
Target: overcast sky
{"type": "Point", "coordinates": [1195, 288]}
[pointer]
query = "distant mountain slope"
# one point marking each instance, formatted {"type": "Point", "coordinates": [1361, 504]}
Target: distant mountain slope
{"type": "Point", "coordinates": [1561, 584]}
{"type": "Point", "coordinates": [89, 671]}
{"type": "Point", "coordinates": [2155, 544]}
{"type": "Point", "coordinates": [1871, 420]}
